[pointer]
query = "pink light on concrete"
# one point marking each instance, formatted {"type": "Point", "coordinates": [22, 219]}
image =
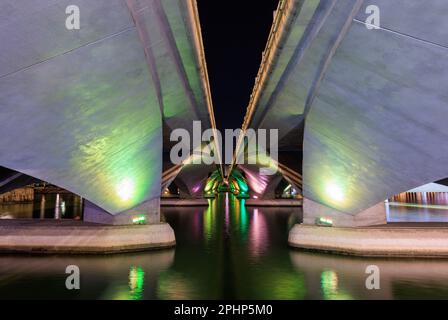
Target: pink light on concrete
{"type": "Point", "coordinates": [257, 183]}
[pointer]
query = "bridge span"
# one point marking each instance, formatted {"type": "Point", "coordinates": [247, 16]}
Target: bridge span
{"type": "Point", "coordinates": [364, 108]}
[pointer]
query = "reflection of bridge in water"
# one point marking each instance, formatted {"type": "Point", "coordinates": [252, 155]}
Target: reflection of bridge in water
{"type": "Point", "coordinates": [225, 251]}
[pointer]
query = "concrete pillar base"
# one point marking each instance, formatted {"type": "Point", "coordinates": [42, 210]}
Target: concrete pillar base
{"type": "Point", "coordinates": [150, 210]}
{"type": "Point", "coordinates": [313, 211]}
{"type": "Point", "coordinates": [417, 242]}
{"type": "Point", "coordinates": [76, 237]}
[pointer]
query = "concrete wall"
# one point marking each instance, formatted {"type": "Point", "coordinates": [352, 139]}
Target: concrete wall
{"type": "Point", "coordinates": [313, 211]}
{"type": "Point", "coordinates": [149, 210]}
{"type": "Point", "coordinates": [192, 180]}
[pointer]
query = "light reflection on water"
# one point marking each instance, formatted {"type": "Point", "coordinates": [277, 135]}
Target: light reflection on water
{"type": "Point", "coordinates": [44, 206]}
{"type": "Point", "coordinates": [226, 250]}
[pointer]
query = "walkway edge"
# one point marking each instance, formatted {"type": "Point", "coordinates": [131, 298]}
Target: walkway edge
{"type": "Point", "coordinates": [91, 239]}
{"type": "Point", "coordinates": [372, 241]}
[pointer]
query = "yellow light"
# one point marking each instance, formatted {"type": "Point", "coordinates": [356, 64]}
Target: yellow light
{"type": "Point", "coordinates": [125, 189]}
{"type": "Point", "coordinates": [335, 192]}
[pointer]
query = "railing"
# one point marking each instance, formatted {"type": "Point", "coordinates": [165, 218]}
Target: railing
{"type": "Point", "coordinates": [282, 14]}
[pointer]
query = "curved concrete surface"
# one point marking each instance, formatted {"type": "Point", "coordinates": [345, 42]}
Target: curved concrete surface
{"type": "Point", "coordinates": [373, 102]}
{"type": "Point", "coordinates": [413, 242]}
{"type": "Point", "coordinates": [86, 109]}
{"type": "Point", "coordinates": [79, 108]}
{"type": "Point", "coordinates": [27, 236]}
{"type": "Point", "coordinates": [376, 125]}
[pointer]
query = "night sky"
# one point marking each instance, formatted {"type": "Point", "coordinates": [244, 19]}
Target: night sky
{"type": "Point", "coordinates": [235, 34]}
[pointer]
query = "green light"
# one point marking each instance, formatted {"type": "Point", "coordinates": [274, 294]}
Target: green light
{"type": "Point", "coordinates": [125, 189]}
{"type": "Point", "coordinates": [241, 182]}
{"type": "Point", "coordinates": [324, 222]}
{"type": "Point", "coordinates": [139, 220]}
{"type": "Point", "coordinates": [236, 185]}
{"type": "Point", "coordinates": [330, 287]}
{"type": "Point", "coordinates": [136, 283]}
{"type": "Point", "coordinates": [244, 226]}
{"type": "Point", "coordinates": [334, 192]}
{"type": "Point", "coordinates": [208, 224]}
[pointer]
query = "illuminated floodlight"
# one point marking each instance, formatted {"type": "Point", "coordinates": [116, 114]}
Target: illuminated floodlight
{"type": "Point", "coordinates": [139, 220]}
{"type": "Point", "coordinates": [325, 222]}
{"type": "Point", "coordinates": [125, 189]}
{"type": "Point", "coordinates": [334, 192]}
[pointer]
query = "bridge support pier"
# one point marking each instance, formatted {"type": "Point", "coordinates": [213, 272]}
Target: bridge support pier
{"type": "Point", "coordinates": [148, 212]}
{"type": "Point", "coordinates": [100, 233]}
{"type": "Point", "coordinates": [145, 216]}
{"type": "Point", "coordinates": [313, 211]}
{"type": "Point", "coordinates": [365, 234]}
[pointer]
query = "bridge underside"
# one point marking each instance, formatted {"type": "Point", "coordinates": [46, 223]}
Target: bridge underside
{"type": "Point", "coordinates": [88, 110]}
{"type": "Point", "coordinates": [376, 126]}
{"type": "Point", "coordinates": [372, 103]}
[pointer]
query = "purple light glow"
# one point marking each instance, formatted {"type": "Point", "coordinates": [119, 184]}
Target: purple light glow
{"type": "Point", "coordinates": [257, 183]}
{"type": "Point", "coordinates": [258, 235]}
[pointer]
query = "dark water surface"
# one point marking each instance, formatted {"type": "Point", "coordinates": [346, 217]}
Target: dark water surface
{"type": "Point", "coordinates": [224, 251]}
{"type": "Point", "coordinates": [44, 206]}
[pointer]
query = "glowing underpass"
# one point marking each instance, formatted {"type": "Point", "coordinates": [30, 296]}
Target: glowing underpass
{"type": "Point", "coordinates": [236, 184]}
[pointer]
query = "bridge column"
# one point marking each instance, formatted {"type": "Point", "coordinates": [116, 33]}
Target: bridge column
{"type": "Point", "coordinates": [146, 213]}
{"type": "Point", "coordinates": [365, 234]}
{"type": "Point", "coordinates": [313, 212]}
